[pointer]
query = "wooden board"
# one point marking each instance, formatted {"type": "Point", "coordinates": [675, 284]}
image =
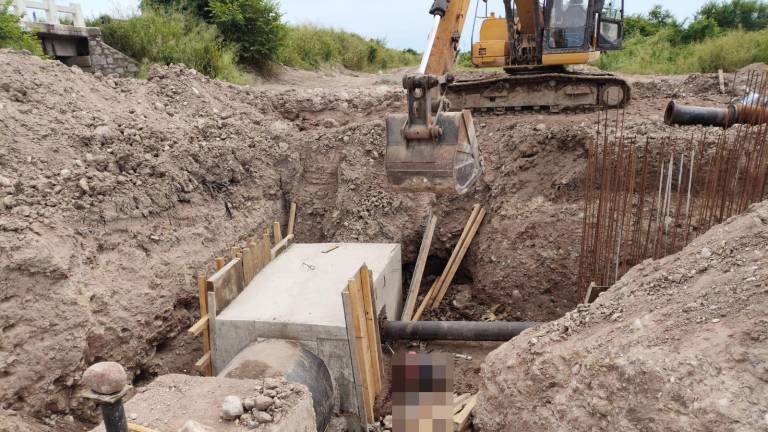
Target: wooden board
{"type": "Point", "coordinates": [372, 326]}
{"type": "Point", "coordinates": [227, 283]}
{"type": "Point", "coordinates": [426, 300]}
{"type": "Point", "coordinates": [461, 420]}
{"type": "Point", "coordinates": [277, 232]}
{"type": "Point", "coordinates": [202, 287]}
{"type": "Point", "coordinates": [360, 332]}
{"type": "Point", "coordinates": [292, 219]}
{"type": "Point", "coordinates": [446, 283]}
{"type": "Point", "coordinates": [249, 267]}
{"type": "Point", "coordinates": [418, 271]}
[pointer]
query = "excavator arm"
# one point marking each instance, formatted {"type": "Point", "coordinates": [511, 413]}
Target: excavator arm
{"type": "Point", "coordinates": [432, 149]}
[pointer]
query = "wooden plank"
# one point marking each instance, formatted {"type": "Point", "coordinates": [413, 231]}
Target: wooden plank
{"type": "Point", "coordinates": [280, 246]}
{"type": "Point", "coordinates": [353, 353]}
{"type": "Point", "coordinates": [278, 234]}
{"type": "Point", "coordinates": [418, 271]}
{"type": "Point", "coordinates": [431, 294]}
{"type": "Point", "coordinates": [235, 252]}
{"type": "Point", "coordinates": [455, 266]}
{"type": "Point", "coordinates": [330, 249]}
{"type": "Point", "coordinates": [213, 311]}
{"type": "Point", "coordinates": [202, 291]}
{"type": "Point", "coordinates": [722, 81]}
{"type": "Point", "coordinates": [362, 346]}
{"type": "Point", "coordinates": [292, 219]}
{"type": "Point", "coordinates": [266, 248]}
{"type": "Point", "coordinates": [219, 263]}
{"type": "Point", "coordinates": [255, 257]}
{"type": "Point", "coordinates": [132, 427]}
{"type": "Point", "coordinates": [461, 420]}
{"type": "Point", "coordinates": [199, 327]}
{"type": "Point", "coordinates": [227, 283]}
{"type": "Point", "coordinates": [425, 300]}
{"type": "Point", "coordinates": [460, 402]}
{"type": "Point", "coordinates": [372, 328]}
{"type": "Point", "coordinates": [204, 363]}
{"type": "Point", "coordinates": [248, 268]}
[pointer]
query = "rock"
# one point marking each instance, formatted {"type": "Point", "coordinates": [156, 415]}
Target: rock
{"type": "Point", "coordinates": [271, 383]}
{"type": "Point", "coordinates": [133, 416]}
{"type": "Point", "coordinates": [65, 173]}
{"type": "Point", "coordinates": [705, 253]}
{"type": "Point", "coordinates": [84, 186]}
{"type": "Point", "coordinates": [5, 182]}
{"type": "Point", "coordinates": [463, 297]}
{"type": "Point", "coordinates": [262, 417]}
{"type": "Point", "coordinates": [388, 422]}
{"type": "Point", "coordinates": [193, 426]}
{"type": "Point", "coordinates": [541, 127]}
{"type": "Point", "coordinates": [9, 202]}
{"type": "Point", "coordinates": [106, 378]}
{"type": "Point", "coordinates": [263, 402]}
{"type": "Point", "coordinates": [248, 404]}
{"type": "Point", "coordinates": [270, 393]}
{"type": "Point", "coordinates": [231, 408]}
{"type": "Point", "coordinates": [330, 123]}
{"type": "Point", "coordinates": [103, 134]}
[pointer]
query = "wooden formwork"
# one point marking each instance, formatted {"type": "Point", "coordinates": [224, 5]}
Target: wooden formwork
{"type": "Point", "coordinates": [364, 340]}
{"type": "Point", "coordinates": [233, 274]}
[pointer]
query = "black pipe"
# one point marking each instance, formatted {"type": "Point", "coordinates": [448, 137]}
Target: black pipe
{"type": "Point", "coordinates": [114, 417]}
{"type": "Point", "coordinates": [690, 115]}
{"type": "Point", "coordinates": [453, 330]}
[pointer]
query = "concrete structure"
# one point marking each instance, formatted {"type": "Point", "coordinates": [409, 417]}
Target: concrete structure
{"type": "Point", "coordinates": [53, 11]}
{"type": "Point", "coordinates": [298, 297]}
{"type": "Point", "coordinates": [74, 45]}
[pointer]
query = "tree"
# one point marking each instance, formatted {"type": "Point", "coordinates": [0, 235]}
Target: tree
{"type": "Point", "coordinates": [750, 15]}
{"type": "Point", "coordinates": [197, 8]}
{"type": "Point", "coordinates": [11, 34]}
{"type": "Point", "coordinates": [700, 29]}
{"type": "Point", "coordinates": [254, 25]}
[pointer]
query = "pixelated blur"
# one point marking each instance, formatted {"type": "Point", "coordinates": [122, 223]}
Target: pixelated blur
{"type": "Point", "coordinates": [422, 392]}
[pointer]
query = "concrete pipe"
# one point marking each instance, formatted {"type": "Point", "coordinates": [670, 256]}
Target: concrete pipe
{"type": "Point", "coordinates": [453, 330]}
{"type": "Point", "coordinates": [274, 358]}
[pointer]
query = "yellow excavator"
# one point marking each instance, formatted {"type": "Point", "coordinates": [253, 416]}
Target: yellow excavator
{"type": "Point", "coordinates": [434, 147]}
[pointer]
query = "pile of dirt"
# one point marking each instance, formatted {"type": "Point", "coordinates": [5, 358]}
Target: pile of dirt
{"type": "Point", "coordinates": [115, 192]}
{"type": "Point", "coordinates": [677, 344]}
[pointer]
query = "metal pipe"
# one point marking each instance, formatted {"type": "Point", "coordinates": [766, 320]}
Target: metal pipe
{"type": "Point", "coordinates": [453, 330]}
{"type": "Point", "coordinates": [684, 115]}
{"type": "Point", "coordinates": [732, 114]}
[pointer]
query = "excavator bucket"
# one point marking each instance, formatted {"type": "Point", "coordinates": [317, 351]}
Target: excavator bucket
{"type": "Point", "coordinates": [447, 164]}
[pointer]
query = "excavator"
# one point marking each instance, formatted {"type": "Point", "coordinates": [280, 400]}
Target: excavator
{"type": "Point", "coordinates": [434, 147]}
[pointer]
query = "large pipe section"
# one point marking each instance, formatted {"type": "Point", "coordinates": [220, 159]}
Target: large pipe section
{"type": "Point", "coordinates": [453, 330]}
{"type": "Point", "coordinates": [725, 117]}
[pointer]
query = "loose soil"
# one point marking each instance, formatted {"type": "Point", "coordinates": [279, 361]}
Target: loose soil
{"type": "Point", "coordinates": [116, 192]}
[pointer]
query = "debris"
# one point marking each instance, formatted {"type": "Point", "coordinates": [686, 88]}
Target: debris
{"type": "Point", "coordinates": [231, 408]}
{"type": "Point", "coordinates": [330, 249]}
{"type": "Point", "coordinates": [193, 426]}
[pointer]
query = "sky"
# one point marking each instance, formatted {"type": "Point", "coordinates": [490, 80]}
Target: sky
{"type": "Point", "coordinates": [402, 23]}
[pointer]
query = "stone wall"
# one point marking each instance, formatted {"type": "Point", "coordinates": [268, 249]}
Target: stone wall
{"type": "Point", "coordinates": [108, 60]}
{"type": "Point", "coordinates": [83, 47]}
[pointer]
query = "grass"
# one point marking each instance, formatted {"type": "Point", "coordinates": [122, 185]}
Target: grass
{"type": "Point", "coordinates": [311, 47]}
{"type": "Point", "coordinates": [658, 54]}
{"type": "Point", "coordinates": [165, 37]}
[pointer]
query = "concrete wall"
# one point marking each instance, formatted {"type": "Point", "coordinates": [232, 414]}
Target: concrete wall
{"type": "Point", "coordinates": [108, 60]}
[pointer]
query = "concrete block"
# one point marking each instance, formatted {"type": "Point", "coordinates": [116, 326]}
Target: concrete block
{"type": "Point", "coordinates": [298, 297]}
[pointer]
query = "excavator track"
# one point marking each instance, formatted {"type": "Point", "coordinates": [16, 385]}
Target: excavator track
{"type": "Point", "coordinates": [553, 91]}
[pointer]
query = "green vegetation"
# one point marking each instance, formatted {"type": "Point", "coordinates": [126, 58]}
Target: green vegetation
{"type": "Point", "coordinates": [217, 36]}
{"type": "Point", "coordinates": [724, 35]}
{"type": "Point", "coordinates": [310, 47]}
{"type": "Point", "coordinates": [166, 36]}
{"type": "Point", "coordinates": [12, 36]}
{"type": "Point", "coordinates": [254, 25]}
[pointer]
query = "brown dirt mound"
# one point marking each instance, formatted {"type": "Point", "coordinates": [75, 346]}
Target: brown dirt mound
{"type": "Point", "coordinates": [679, 344]}
{"type": "Point", "coordinates": [114, 192]}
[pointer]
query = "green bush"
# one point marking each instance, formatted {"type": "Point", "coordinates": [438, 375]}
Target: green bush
{"type": "Point", "coordinates": [657, 54]}
{"type": "Point", "coordinates": [11, 34]}
{"type": "Point", "coordinates": [165, 37]}
{"type": "Point", "coordinates": [254, 25]}
{"type": "Point", "coordinates": [311, 47]}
